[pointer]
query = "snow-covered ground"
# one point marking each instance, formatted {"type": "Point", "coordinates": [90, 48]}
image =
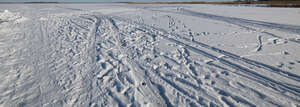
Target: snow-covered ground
{"type": "Point", "coordinates": [96, 55]}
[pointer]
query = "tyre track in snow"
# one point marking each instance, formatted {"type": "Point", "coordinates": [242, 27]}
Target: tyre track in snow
{"type": "Point", "coordinates": [223, 52]}
{"type": "Point", "coordinates": [34, 84]}
{"type": "Point", "coordinates": [72, 62]}
{"type": "Point", "coordinates": [45, 79]}
{"type": "Point", "coordinates": [243, 22]}
{"type": "Point", "coordinates": [245, 60]}
{"type": "Point", "coordinates": [251, 25]}
{"type": "Point", "coordinates": [249, 73]}
{"type": "Point", "coordinates": [91, 67]}
{"type": "Point", "coordinates": [12, 69]}
{"type": "Point", "coordinates": [148, 91]}
{"type": "Point", "coordinates": [237, 67]}
{"type": "Point", "coordinates": [97, 65]}
{"type": "Point", "coordinates": [144, 90]}
{"type": "Point", "coordinates": [244, 25]}
{"type": "Point", "coordinates": [239, 58]}
{"type": "Point", "coordinates": [183, 91]}
{"type": "Point", "coordinates": [108, 64]}
{"type": "Point", "coordinates": [140, 75]}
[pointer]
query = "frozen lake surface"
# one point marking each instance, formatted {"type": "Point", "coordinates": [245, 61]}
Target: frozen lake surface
{"type": "Point", "coordinates": [96, 55]}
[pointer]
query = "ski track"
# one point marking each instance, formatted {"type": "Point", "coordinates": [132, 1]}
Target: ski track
{"type": "Point", "coordinates": [235, 66]}
{"type": "Point", "coordinates": [93, 59]}
{"type": "Point", "coordinates": [244, 23]}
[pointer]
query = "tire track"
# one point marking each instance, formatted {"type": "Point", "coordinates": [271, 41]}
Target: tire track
{"type": "Point", "coordinates": [240, 21]}
{"type": "Point", "coordinates": [138, 74]}
{"type": "Point", "coordinates": [149, 91]}
{"type": "Point", "coordinates": [244, 23]}
{"type": "Point", "coordinates": [181, 90]}
{"type": "Point", "coordinates": [236, 57]}
{"type": "Point", "coordinates": [227, 54]}
{"type": "Point", "coordinates": [100, 60]}
{"type": "Point", "coordinates": [278, 86]}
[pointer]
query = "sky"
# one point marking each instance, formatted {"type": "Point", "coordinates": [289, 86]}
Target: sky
{"type": "Point", "coordinates": [96, 0]}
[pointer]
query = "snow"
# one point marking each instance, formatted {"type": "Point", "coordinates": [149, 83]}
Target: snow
{"type": "Point", "coordinates": [148, 55]}
{"type": "Point", "coordinates": [8, 16]}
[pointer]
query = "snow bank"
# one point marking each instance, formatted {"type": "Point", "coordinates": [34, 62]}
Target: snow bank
{"type": "Point", "coordinates": [8, 16]}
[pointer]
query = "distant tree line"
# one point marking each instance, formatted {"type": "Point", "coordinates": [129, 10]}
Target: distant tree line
{"type": "Point", "coordinates": [267, 0]}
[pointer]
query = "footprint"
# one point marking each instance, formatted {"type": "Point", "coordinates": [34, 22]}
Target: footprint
{"type": "Point", "coordinates": [207, 77]}
{"type": "Point", "coordinates": [285, 53]}
{"type": "Point", "coordinates": [225, 73]}
{"type": "Point", "coordinates": [168, 66]}
{"type": "Point", "coordinates": [21, 104]}
{"type": "Point", "coordinates": [289, 67]}
{"type": "Point", "coordinates": [148, 60]}
{"type": "Point", "coordinates": [291, 63]}
{"type": "Point", "coordinates": [191, 33]}
{"type": "Point", "coordinates": [103, 65]}
{"type": "Point", "coordinates": [213, 82]}
{"type": "Point", "coordinates": [278, 41]}
{"type": "Point", "coordinates": [280, 65]}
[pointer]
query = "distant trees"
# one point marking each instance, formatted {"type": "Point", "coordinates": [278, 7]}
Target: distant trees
{"type": "Point", "coordinates": [278, 0]}
{"type": "Point", "coordinates": [266, 0]}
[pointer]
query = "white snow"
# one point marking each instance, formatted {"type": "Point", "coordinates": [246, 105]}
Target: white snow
{"type": "Point", "coordinates": [148, 55]}
{"type": "Point", "coordinates": [7, 16]}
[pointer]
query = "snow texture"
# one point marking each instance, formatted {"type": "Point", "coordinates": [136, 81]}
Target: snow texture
{"type": "Point", "coordinates": [81, 55]}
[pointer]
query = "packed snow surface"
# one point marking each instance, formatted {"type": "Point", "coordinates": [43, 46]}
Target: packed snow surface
{"type": "Point", "coordinates": [96, 55]}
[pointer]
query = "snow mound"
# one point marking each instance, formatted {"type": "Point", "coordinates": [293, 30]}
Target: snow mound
{"type": "Point", "coordinates": [8, 16]}
{"type": "Point", "coordinates": [43, 19]}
